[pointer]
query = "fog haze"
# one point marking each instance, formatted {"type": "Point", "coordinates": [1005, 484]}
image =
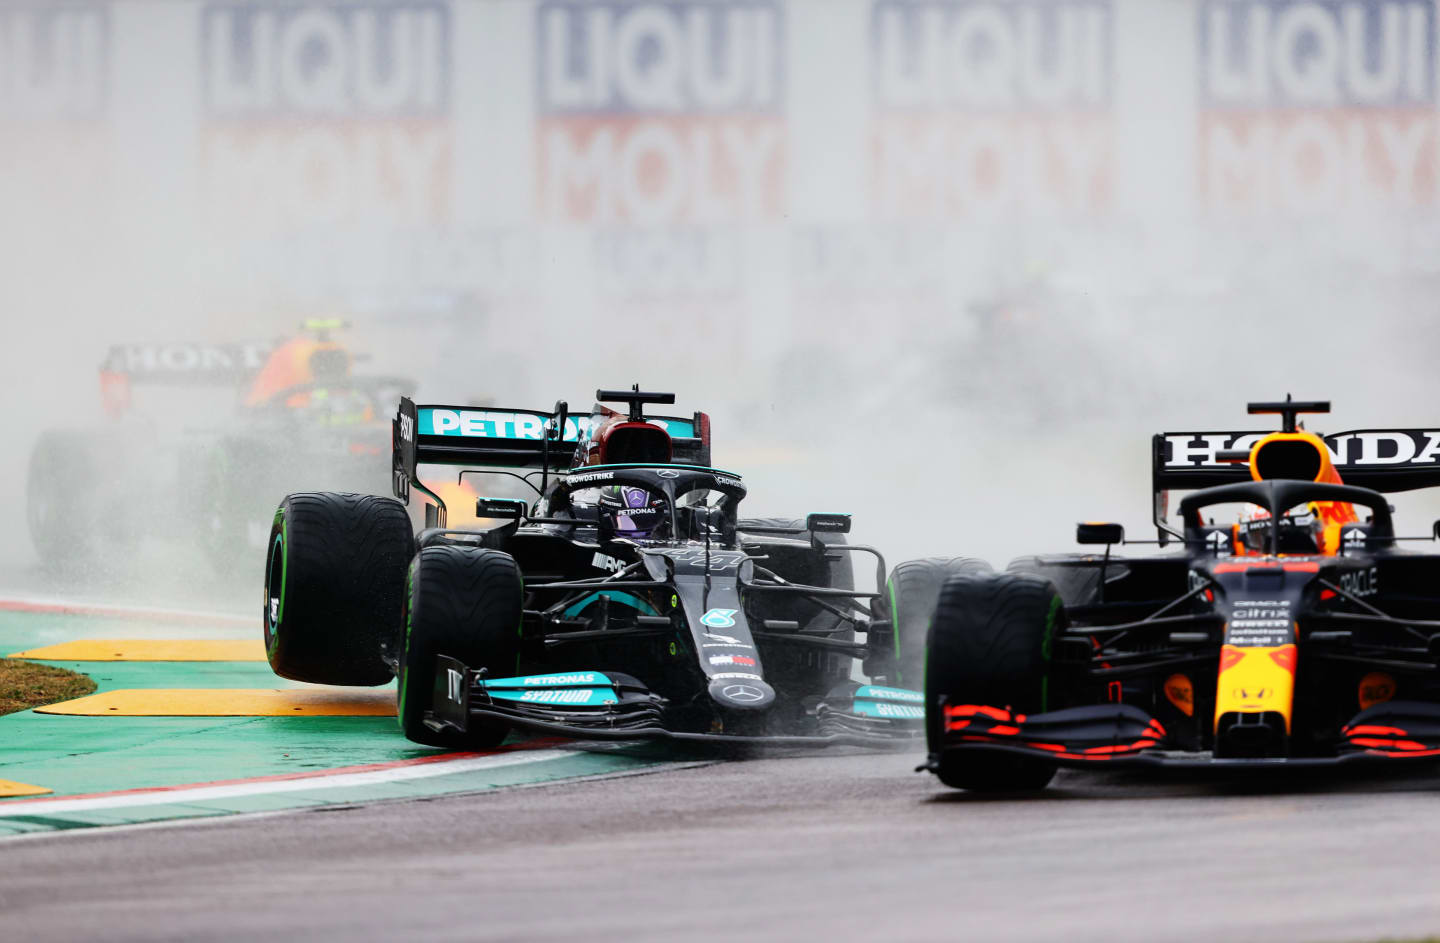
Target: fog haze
{"type": "Point", "coordinates": [945, 265]}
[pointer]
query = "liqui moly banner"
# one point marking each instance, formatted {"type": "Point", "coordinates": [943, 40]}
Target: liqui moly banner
{"type": "Point", "coordinates": [1317, 105]}
{"type": "Point", "coordinates": [55, 93]}
{"type": "Point", "coordinates": [656, 113]}
{"type": "Point", "coordinates": [54, 60]}
{"type": "Point", "coordinates": [327, 112]}
{"type": "Point", "coordinates": [991, 106]}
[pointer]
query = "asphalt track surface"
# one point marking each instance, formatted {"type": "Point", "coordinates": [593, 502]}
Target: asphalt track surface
{"type": "Point", "coordinates": [830, 845]}
{"type": "Point", "coordinates": [842, 846]}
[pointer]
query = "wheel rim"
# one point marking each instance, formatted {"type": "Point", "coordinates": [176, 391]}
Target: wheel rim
{"type": "Point", "coordinates": [275, 573]}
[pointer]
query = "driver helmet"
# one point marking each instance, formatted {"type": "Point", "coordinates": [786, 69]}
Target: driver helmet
{"type": "Point", "coordinates": [633, 511]}
{"type": "Point", "coordinates": [1300, 533]}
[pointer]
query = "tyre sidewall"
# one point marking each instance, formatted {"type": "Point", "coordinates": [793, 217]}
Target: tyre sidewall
{"type": "Point", "coordinates": [911, 594]}
{"type": "Point", "coordinates": [276, 582]}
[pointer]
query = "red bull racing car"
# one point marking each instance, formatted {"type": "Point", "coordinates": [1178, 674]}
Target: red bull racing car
{"type": "Point", "coordinates": [627, 600]}
{"type": "Point", "coordinates": [1292, 628]}
{"type": "Point", "coordinates": [243, 424]}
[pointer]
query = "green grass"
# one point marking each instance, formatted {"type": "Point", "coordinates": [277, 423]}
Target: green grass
{"type": "Point", "coordinates": [25, 684]}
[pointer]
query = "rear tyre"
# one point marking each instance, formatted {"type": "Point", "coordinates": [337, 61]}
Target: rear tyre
{"type": "Point", "coordinates": [990, 644]}
{"type": "Point", "coordinates": [1078, 585]}
{"type": "Point", "coordinates": [60, 504]}
{"type": "Point", "coordinates": [464, 603]}
{"type": "Point", "coordinates": [334, 587]}
{"type": "Point", "coordinates": [222, 533]}
{"type": "Point", "coordinates": [912, 593]}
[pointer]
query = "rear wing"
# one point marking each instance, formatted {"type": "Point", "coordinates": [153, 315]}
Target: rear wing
{"type": "Point", "coordinates": [513, 438]}
{"type": "Point", "coordinates": [181, 365]}
{"type": "Point", "coordinates": [1385, 460]}
{"type": "Point", "coordinates": [186, 364]}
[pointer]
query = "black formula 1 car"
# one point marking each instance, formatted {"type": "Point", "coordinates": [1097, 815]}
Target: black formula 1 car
{"type": "Point", "coordinates": [627, 601]}
{"type": "Point", "coordinates": [1295, 632]}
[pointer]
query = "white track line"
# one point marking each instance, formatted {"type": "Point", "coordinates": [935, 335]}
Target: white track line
{"type": "Point", "coordinates": [221, 819]}
{"type": "Point", "coordinates": [203, 793]}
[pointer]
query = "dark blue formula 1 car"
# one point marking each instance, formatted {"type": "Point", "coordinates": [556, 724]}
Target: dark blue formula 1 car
{"type": "Point", "coordinates": [1291, 629]}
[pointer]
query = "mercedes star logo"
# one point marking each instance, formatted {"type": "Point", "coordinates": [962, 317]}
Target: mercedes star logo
{"type": "Point", "coordinates": [743, 692]}
{"type": "Point", "coordinates": [668, 473]}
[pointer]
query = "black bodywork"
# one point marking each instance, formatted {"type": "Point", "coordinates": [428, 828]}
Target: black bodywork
{"type": "Point", "coordinates": [708, 628]}
{"type": "Point", "coordinates": [1135, 674]}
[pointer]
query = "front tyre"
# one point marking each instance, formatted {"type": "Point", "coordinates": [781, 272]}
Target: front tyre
{"type": "Point", "coordinates": [464, 603]}
{"type": "Point", "coordinates": [990, 645]}
{"type": "Point", "coordinates": [334, 587]}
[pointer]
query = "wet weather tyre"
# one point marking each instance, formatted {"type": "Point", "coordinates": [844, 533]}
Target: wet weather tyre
{"type": "Point", "coordinates": [220, 518]}
{"type": "Point", "coordinates": [59, 504]}
{"type": "Point", "coordinates": [911, 592]}
{"type": "Point", "coordinates": [335, 586]}
{"type": "Point", "coordinates": [1078, 585]}
{"type": "Point", "coordinates": [989, 644]}
{"type": "Point", "coordinates": [465, 603]}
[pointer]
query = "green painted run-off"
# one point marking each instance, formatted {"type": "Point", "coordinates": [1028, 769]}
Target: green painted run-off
{"type": "Point", "coordinates": [78, 755]}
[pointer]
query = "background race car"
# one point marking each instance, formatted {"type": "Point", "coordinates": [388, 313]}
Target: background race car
{"type": "Point", "coordinates": [627, 600]}
{"type": "Point", "coordinates": [243, 423]}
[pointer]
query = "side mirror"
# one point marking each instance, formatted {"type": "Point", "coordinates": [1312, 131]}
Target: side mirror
{"type": "Point", "coordinates": [1094, 533]}
{"type": "Point", "coordinates": [507, 509]}
{"type": "Point", "coordinates": [828, 523]}
{"type": "Point", "coordinates": [1437, 530]}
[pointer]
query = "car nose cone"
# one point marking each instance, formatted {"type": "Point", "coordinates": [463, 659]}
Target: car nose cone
{"type": "Point", "coordinates": [742, 693]}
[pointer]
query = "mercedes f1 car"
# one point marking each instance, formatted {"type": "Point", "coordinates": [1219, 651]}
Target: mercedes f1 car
{"type": "Point", "coordinates": [628, 600]}
{"type": "Point", "coordinates": [1296, 633]}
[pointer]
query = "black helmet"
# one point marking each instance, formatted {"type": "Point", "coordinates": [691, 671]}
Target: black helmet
{"type": "Point", "coordinates": [632, 511]}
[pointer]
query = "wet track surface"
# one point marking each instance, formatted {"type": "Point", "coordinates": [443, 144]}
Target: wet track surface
{"type": "Point", "coordinates": [839, 845]}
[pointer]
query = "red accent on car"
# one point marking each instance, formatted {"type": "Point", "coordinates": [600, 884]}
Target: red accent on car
{"type": "Point", "coordinates": [621, 443]}
{"type": "Point", "coordinates": [1402, 746]}
{"type": "Point", "coordinates": [1284, 656]}
{"type": "Point", "coordinates": [1298, 566]}
{"type": "Point", "coordinates": [972, 710]}
{"type": "Point", "coordinates": [1373, 730]}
